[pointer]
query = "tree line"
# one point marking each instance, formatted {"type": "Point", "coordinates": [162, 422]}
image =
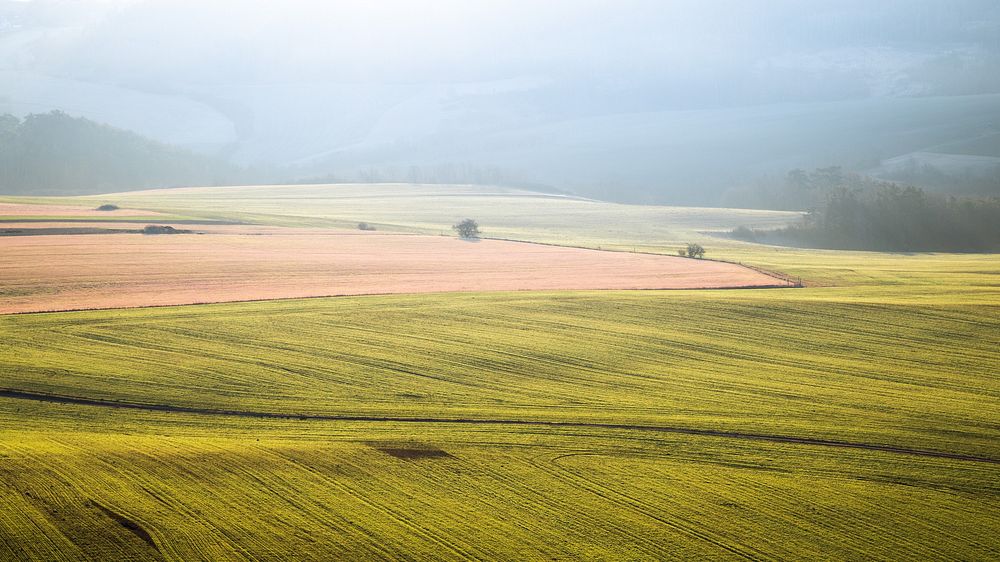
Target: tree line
{"type": "Point", "coordinates": [54, 153]}
{"type": "Point", "coordinates": [866, 214]}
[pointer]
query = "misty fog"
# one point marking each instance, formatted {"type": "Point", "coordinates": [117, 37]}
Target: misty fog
{"type": "Point", "coordinates": [636, 101]}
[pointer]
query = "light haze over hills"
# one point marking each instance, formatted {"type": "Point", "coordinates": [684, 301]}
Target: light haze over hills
{"type": "Point", "coordinates": [643, 101]}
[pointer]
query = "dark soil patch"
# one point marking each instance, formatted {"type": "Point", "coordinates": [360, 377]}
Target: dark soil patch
{"type": "Point", "coordinates": [411, 452]}
{"type": "Point", "coordinates": [63, 230]}
{"type": "Point", "coordinates": [132, 526]}
{"type": "Point", "coordinates": [69, 230]}
{"type": "Point", "coordinates": [116, 220]}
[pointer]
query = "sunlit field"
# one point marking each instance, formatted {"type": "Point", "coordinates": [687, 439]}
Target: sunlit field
{"type": "Point", "coordinates": [628, 424]}
{"type": "Point", "coordinates": [853, 418]}
{"type": "Point", "coordinates": [432, 209]}
{"type": "Point", "coordinates": [432, 280]}
{"type": "Point", "coordinates": [524, 215]}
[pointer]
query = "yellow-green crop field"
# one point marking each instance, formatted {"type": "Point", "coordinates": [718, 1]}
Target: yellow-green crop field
{"type": "Point", "coordinates": [856, 418]}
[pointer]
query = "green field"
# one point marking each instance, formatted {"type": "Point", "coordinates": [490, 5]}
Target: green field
{"type": "Point", "coordinates": [523, 215]}
{"type": "Point", "coordinates": [857, 418]}
{"type": "Point", "coordinates": [432, 209]}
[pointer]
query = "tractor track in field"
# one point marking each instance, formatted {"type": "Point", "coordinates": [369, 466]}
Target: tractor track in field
{"type": "Point", "coordinates": [746, 436]}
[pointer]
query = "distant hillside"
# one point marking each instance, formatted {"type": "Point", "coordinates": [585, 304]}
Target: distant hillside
{"type": "Point", "coordinates": [848, 211]}
{"type": "Point", "coordinates": [688, 157]}
{"type": "Point", "coordinates": [56, 154]}
{"type": "Point", "coordinates": [954, 173]}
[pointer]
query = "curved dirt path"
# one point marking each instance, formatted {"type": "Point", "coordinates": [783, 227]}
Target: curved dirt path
{"type": "Point", "coordinates": [772, 438]}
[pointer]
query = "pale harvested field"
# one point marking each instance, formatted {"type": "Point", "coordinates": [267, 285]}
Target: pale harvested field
{"type": "Point", "coordinates": [31, 210]}
{"type": "Point", "coordinates": [72, 272]}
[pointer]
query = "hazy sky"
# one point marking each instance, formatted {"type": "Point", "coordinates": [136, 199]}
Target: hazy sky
{"type": "Point", "coordinates": [340, 84]}
{"type": "Point", "coordinates": [475, 40]}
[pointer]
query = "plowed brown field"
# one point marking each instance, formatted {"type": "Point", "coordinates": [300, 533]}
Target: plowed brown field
{"type": "Point", "coordinates": [70, 272]}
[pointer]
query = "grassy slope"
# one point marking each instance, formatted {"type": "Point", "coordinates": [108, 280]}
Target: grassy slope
{"type": "Point", "coordinates": [886, 349]}
{"type": "Point", "coordinates": [501, 212]}
{"type": "Point", "coordinates": [522, 215]}
{"type": "Point", "coordinates": [648, 358]}
{"type": "Point", "coordinates": [916, 376]}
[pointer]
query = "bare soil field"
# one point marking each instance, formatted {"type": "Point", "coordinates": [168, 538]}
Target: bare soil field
{"type": "Point", "coordinates": [75, 272]}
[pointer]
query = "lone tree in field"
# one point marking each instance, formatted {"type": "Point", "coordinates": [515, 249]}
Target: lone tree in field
{"type": "Point", "coordinates": [695, 251]}
{"type": "Point", "coordinates": [467, 229]}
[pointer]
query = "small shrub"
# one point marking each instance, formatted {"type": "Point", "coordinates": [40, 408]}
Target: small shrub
{"type": "Point", "coordinates": [159, 229]}
{"type": "Point", "coordinates": [108, 207]}
{"type": "Point", "coordinates": [365, 226]}
{"type": "Point", "coordinates": [695, 251]}
{"type": "Point", "coordinates": [467, 229]}
{"type": "Point", "coordinates": [682, 253]}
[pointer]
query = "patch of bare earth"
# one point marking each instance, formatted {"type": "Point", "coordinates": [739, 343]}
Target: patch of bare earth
{"type": "Point", "coordinates": [411, 451]}
{"type": "Point", "coordinates": [73, 272]}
